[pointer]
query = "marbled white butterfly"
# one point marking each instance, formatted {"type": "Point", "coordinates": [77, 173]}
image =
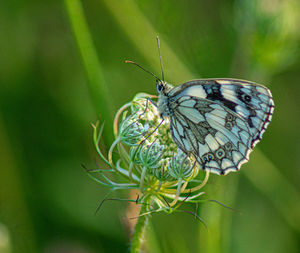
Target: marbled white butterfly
{"type": "Point", "coordinates": [218, 121]}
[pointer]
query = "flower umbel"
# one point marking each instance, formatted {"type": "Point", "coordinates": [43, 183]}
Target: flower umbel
{"type": "Point", "coordinates": [147, 159]}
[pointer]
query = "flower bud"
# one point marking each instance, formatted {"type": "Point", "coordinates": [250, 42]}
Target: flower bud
{"type": "Point", "coordinates": [131, 131]}
{"type": "Point", "coordinates": [162, 173]}
{"type": "Point", "coordinates": [180, 166]}
{"type": "Point", "coordinates": [150, 155]}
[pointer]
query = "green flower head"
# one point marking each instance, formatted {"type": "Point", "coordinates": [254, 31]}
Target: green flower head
{"type": "Point", "coordinates": [146, 157]}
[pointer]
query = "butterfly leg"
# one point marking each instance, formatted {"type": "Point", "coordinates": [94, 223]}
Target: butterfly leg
{"type": "Point", "coordinates": [147, 103]}
{"type": "Point", "coordinates": [143, 141]}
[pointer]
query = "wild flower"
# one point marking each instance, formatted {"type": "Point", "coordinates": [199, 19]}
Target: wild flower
{"type": "Point", "coordinates": [147, 159]}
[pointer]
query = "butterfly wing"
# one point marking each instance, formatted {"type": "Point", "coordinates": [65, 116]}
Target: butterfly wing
{"type": "Point", "coordinates": [251, 101]}
{"type": "Point", "coordinates": [217, 122]}
{"type": "Point", "coordinates": [218, 138]}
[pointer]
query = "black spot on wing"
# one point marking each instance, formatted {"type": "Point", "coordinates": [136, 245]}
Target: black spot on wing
{"type": "Point", "coordinates": [213, 91]}
{"type": "Point", "coordinates": [253, 114]}
{"type": "Point", "coordinates": [242, 96]}
{"type": "Point", "coordinates": [250, 123]}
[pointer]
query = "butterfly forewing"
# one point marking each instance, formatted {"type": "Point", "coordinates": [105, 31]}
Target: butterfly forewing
{"type": "Point", "coordinates": [219, 121]}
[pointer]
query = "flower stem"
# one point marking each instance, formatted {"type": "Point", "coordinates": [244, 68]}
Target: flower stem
{"type": "Point", "coordinates": [99, 90]}
{"type": "Point", "coordinates": [139, 230]}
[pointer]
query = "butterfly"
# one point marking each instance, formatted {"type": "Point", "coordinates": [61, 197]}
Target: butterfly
{"type": "Point", "coordinates": [218, 121]}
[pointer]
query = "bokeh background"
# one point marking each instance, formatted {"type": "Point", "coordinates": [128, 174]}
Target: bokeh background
{"type": "Point", "coordinates": [62, 65]}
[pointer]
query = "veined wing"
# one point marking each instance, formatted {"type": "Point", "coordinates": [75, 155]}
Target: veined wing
{"type": "Point", "coordinates": [253, 102]}
{"type": "Point", "coordinates": [219, 138]}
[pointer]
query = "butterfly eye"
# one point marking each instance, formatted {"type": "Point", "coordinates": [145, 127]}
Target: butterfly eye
{"type": "Point", "coordinates": [159, 87]}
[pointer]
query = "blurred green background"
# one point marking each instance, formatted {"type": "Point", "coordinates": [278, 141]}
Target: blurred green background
{"type": "Point", "coordinates": [62, 64]}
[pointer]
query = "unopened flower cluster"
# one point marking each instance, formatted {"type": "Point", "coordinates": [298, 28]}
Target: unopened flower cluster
{"type": "Point", "coordinates": [147, 159]}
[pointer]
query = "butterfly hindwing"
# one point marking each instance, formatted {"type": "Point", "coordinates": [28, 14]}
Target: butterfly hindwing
{"type": "Point", "coordinates": [218, 138]}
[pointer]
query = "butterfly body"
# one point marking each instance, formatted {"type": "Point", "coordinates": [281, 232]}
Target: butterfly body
{"type": "Point", "coordinates": [163, 102]}
{"type": "Point", "coordinates": [218, 121]}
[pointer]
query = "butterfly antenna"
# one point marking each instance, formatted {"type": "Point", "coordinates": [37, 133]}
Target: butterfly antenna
{"type": "Point", "coordinates": [134, 63]}
{"type": "Point", "coordinates": [161, 65]}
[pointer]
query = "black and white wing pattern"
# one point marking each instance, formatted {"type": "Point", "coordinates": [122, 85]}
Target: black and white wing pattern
{"type": "Point", "coordinates": [219, 121]}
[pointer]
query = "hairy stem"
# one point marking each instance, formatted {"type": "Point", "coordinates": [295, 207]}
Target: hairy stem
{"type": "Point", "coordinates": [139, 231]}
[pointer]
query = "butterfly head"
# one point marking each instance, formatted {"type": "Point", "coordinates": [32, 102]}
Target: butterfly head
{"type": "Point", "coordinates": [162, 87]}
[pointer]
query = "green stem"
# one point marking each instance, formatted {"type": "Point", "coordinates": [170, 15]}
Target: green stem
{"type": "Point", "coordinates": [143, 177]}
{"type": "Point", "coordinates": [139, 230]}
{"type": "Point", "coordinates": [96, 84]}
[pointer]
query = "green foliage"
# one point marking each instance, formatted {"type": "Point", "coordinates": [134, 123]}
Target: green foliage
{"type": "Point", "coordinates": [62, 64]}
